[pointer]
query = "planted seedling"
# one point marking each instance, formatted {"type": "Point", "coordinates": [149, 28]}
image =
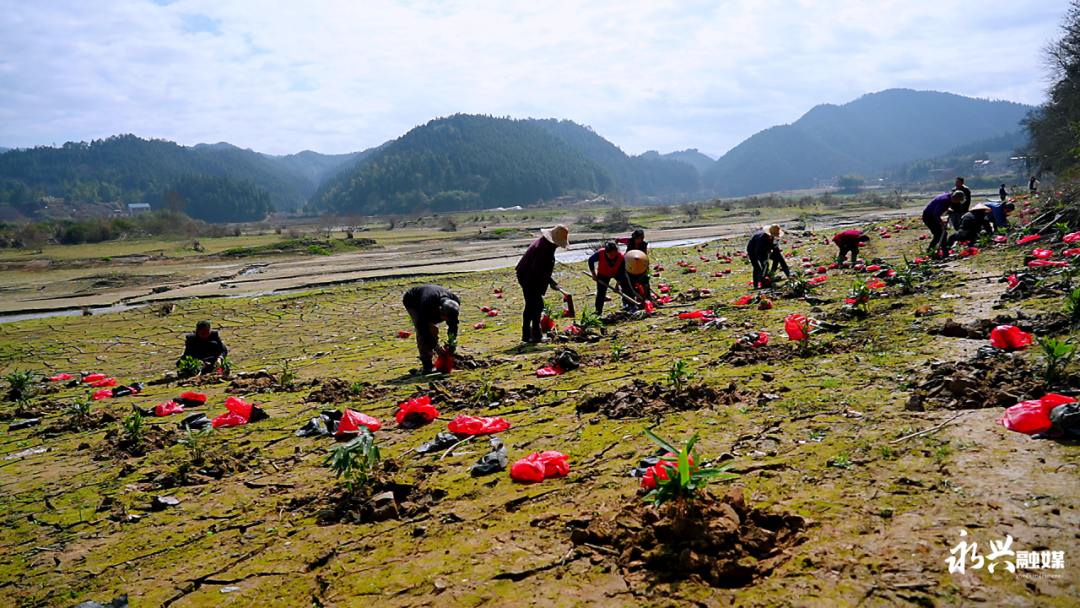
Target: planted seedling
{"type": "Point", "coordinates": [588, 320]}
{"type": "Point", "coordinates": [132, 428]}
{"type": "Point", "coordinates": [288, 377]}
{"type": "Point", "coordinates": [801, 287]}
{"type": "Point", "coordinates": [1072, 307]}
{"type": "Point", "coordinates": [225, 367]}
{"type": "Point", "coordinates": [679, 374]}
{"type": "Point", "coordinates": [1057, 354]}
{"type": "Point", "coordinates": [451, 343]}
{"type": "Point", "coordinates": [617, 351]}
{"type": "Point", "coordinates": [353, 463]}
{"type": "Point", "coordinates": [859, 300]}
{"type": "Point", "coordinates": [79, 411]}
{"type": "Point", "coordinates": [684, 480]}
{"type": "Point", "coordinates": [197, 443]}
{"type": "Point", "coordinates": [20, 385]}
{"type": "Point", "coordinates": [188, 367]}
{"type": "Point", "coordinates": [841, 462]}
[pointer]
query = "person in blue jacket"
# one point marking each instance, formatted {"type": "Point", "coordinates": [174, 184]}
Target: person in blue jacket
{"type": "Point", "coordinates": [932, 214]}
{"type": "Point", "coordinates": [999, 215]}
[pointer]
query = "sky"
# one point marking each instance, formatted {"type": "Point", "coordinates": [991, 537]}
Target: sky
{"type": "Point", "coordinates": [336, 76]}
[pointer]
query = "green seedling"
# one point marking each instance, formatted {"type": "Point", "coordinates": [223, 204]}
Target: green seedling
{"type": "Point", "coordinates": [841, 462]}
{"type": "Point", "coordinates": [288, 377]}
{"type": "Point", "coordinates": [354, 463]}
{"type": "Point", "coordinates": [188, 367]}
{"type": "Point", "coordinates": [20, 384]}
{"type": "Point", "coordinates": [132, 428]}
{"type": "Point", "coordinates": [860, 296]}
{"type": "Point", "coordinates": [588, 320]}
{"type": "Point", "coordinates": [801, 287]}
{"type": "Point", "coordinates": [486, 393]}
{"type": "Point", "coordinates": [684, 480]}
{"type": "Point", "coordinates": [886, 451]}
{"type": "Point", "coordinates": [225, 366]}
{"type": "Point", "coordinates": [79, 411]}
{"type": "Point", "coordinates": [679, 374]}
{"type": "Point", "coordinates": [1072, 306]}
{"type": "Point", "coordinates": [451, 342]}
{"type": "Point", "coordinates": [1057, 354]}
{"type": "Point", "coordinates": [1062, 227]}
{"type": "Point", "coordinates": [617, 352]}
{"type": "Point", "coordinates": [197, 443]}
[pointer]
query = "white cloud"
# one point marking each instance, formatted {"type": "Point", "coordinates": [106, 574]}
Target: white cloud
{"type": "Point", "coordinates": [340, 75]}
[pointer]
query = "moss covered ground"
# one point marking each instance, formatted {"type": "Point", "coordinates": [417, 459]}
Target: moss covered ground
{"type": "Point", "coordinates": [822, 436]}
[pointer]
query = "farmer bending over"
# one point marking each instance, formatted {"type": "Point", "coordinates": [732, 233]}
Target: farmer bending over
{"type": "Point", "coordinates": [607, 264]}
{"type": "Point", "coordinates": [849, 240]}
{"type": "Point", "coordinates": [971, 223]}
{"type": "Point", "coordinates": [637, 269]}
{"type": "Point", "coordinates": [205, 345]}
{"type": "Point", "coordinates": [999, 215]}
{"type": "Point", "coordinates": [429, 305]}
{"type": "Point", "coordinates": [534, 271]}
{"type": "Point", "coordinates": [931, 216]}
{"type": "Point", "coordinates": [761, 249]}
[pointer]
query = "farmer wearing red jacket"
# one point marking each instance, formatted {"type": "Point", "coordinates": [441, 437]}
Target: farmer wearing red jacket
{"type": "Point", "coordinates": [849, 240]}
{"type": "Point", "coordinates": [534, 271]}
{"type": "Point", "coordinates": [607, 264]}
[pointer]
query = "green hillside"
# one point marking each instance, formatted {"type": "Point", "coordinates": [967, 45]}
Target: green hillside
{"type": "Point", "coordinates": [319, 167]}
{"type": "Point", "coordinates": [635, 176]}
{"type": "Point", "coordinates": [124, 169]}
{"type": "Point", "coordinates": [690, 156]}
{"type": "Point", "coordinates": [463, 162]}
{"type": "Point", "coordinates": [872, 133]}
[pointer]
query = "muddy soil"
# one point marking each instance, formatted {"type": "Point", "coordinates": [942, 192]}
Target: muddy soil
{"type": "Point", "coordinates": [1000, 380]}
{"type": "Point", "coordinates": [471, 362]}
{"type": "Point", "coordinates": [741, 353]}
{"type": "Point", "coordinates": [382, 500]}
{"type": "Point", "coordinates": [640, 399]}
{"type": "Point", "coordinates": [1048, 324]}
{"type": "Point", "coordinates": [720, 542]}
{"type": "Point", "coordinates": [336, 390]}
{"type": "Point", "coordinates": [117, 447]}
{"type": "Point", "coordinates": [92, 423]}
{"type": "Point", "coordinates": [459, 396]}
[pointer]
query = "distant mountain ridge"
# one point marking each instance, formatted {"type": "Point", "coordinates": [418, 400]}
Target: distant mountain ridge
{"type": "Point", "coordinates": [867, 135]}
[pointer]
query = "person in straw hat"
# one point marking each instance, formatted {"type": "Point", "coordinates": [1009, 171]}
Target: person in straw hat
{"type": "Point", "coordinates": [607, 264]}
{"type": "Point", "coordinates": [761, 249]}
{"type": "Point", "coordinates": [971, 223]}
{"type": "Point", "coordinates": [534, 274]}
{"type": "Point", "coordinates": [637, 269]}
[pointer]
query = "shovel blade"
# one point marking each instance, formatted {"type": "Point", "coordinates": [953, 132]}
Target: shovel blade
{"type": "Point", "coordinates": [570, 305]}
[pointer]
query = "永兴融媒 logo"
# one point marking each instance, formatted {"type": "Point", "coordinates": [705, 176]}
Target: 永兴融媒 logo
{"type": "Point", "coordinates": [966, 555]}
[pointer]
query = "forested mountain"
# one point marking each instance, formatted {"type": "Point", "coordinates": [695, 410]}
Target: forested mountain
{"type": "Point", "coordinates": [319, 167]}
{"type": "Point", "coordinates": [875, 132]}
{"type": "Point", "coordinates": [690, 156]}
{"type": "Point", "coordinates": [463, 162]}
{"type": "Point", "coordinates": [960, 160]}
{"type": "Point", "coordinates": [2, 150]}
{"type": "Point", "coordinates": [635, 176]}
{"type": "Point", "coordinates": [127, 169]}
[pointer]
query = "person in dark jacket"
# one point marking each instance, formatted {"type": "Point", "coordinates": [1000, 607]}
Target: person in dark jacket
{"type": "Point", "coordinates": [970, 225]}
{"type": "Point", "coordinates": [761, 249]}
{"type": "Point", "coordinates": [1002, 193]}
{"type": "Point", "coordinates": [534, 274]}
{"type": "Point", "coordinates": [957, 210]}
{"type": "Point", "coordinates": [999, 215]}
{"type": "Point", "coordinates": [849, 240]}
{"type": "Point", "coordinates": [607, 264]}
{"type": "Point", "coordinates": [635, 242]}
{"type": "Point", "coordinates": [429, 305]}
{"type": "Point", "coordinates": [931, 216]}
{"type": "Point", "coordinates": [205, 345]}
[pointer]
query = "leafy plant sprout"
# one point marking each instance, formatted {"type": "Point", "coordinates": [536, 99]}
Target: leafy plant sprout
{"type": "Point", "coordinates": [684, 480]}
{"type": "Point", "coordinates": [860, 296]}
{"type": "Point", "coordinates": [589, 320]}
{"type": "Point", "coordinates": [132, 427]}
{"type": "Point", "coordinates": [679, 374]}
{"type": "Point", "coordinates": [801, 287]}
{"type": "Point", "coordinates": [1072, 307]}
{"type": "Point", "coordinates": [288, 377]}
{"type": "Point", "coordinates": [1057, 354]}
{"type": "Point", "coordinates": [79, 411]}
{"type": "Point", "coordinates": [617, 351]}
{"type": "Point", "coordinates": [188, 367]}
{"type": "Point", "coordinates": [197, 443]}
{"type": "Point", "coordinates": [20, 384]}
{"type": "Point", "coordinates": [354, 462]}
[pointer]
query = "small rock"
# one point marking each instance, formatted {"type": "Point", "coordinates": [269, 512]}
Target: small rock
{"type": "Point", "coordinates": [440, 585]}
{"type": "Point", "coordinates": [383, 499]}
{"type": "Point", "coordinates": [229, 589]}
{"type": "Point", "coordinates": [164, 502]}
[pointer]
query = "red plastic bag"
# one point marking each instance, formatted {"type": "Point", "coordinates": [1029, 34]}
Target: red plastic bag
{"type": "Point", "coordinates": [418, 408]}
{"type": "Point", "coordinates": [192, 396]}
{"type": "Point", "coordinates": [169, 407]}
{"type": "Point", "coordinates": [94, 377]}
{"type": "Point", "coordinates": [444, 364]}
{"type": "Point", "coordinates": [60, 377]}
{"type": "Point", "coordinates": [1070, 252]}
{"type": "Point", "coordinates": [404, 334]}
{"type": "Point", "coordinates": [1043, 254]}
{"type": "Point", "coordinates": [1009, 337]}
{"type": "Point", "coordinates": [659, 471]}
{"type": "Point", "coordinates": [229, 419]}
{"type": "Point", "coordinates": [480, 325]}
{"type": "Point", "coordinates": [1000, 239]}
{"type": "Point", "coordinates": [1038, 263]}
{"type": "Point", "coordinates": [1033, 417]}
{"type": "Point", "coordinates": [352, 421]}
{"type": "Point", "coordinates": [796, 327]}
{"type": "Point", "coordinates": [1013, 281]}
{"type": "Point", "coordinates": [493, 313]}
{"type": "Point", "coordinates": [546, 323]}
{"type": "Point", "coordinates": [539, 466]}
{"type": "Point", "coordinates": [104, 383]}
{"type": "Point", "coordinates": [818, 279]}
{"type": "Point", "coordinates": [649, 307]}
{"type": "Point", "coordinates": [105, 393]}
{"type": "Point", "coordinates": [472, 425]}
{"type": "Point", "coordinates": [875, 284]}
{"type": "Point", "coordinates": [873, 267]}
{"type": "Point", "coordinates": [697, 314]}
{"type": "Point", "coordinates": [545, 372]}
{"type": "Point", "coordinates": [1028, 239]}
{"type": "Point", "coordinates": [766, 304]}
{"type": "Point", "coordinates": [1071, 238]}
{"type": "Point", "coordinates": [663, 300]}
{"type": "Point", "coordinates": [762, 339]}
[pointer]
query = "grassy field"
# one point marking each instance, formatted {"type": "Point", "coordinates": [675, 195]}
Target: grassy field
{"type": "Point", "coordinates": [825, 435]}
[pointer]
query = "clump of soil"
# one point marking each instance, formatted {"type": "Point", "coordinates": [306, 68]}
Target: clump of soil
{"type": "Point", "coordinates": [460, 396]}
{"type": "Point", "coordinates": [584, 336]}
{"type": "Point", "coordinates": [742, 353]}
{"type": "Point", "coordinates": [381, 500]}
{"type": "Point", "coordinates": [469, 362]}
{"type": "Point", "coordinates": [640, 399]}
{"type": "Point", "coordinates": [979, 329]}
{"type": "Point", "coordinates": [998, 381]}
{"type": "Point", "coordinates": [336, 390]}
{"type": "Point", "coordinates": [203, 380]}
{"type": "Point", "coordinates": [719, 542]}
{"type": "Point", "coordinates": [1027, 290]}
{"type": "Point", "coordinates": [215, 466]}
{"type": "Point", "coordinates": [622, 316]}
{"type": "Point", "coordinates": [117, 446]}
{"type": "Point", "coordinates": [261, 382]}
{"type": "Point", "coordinates": [74, 425]}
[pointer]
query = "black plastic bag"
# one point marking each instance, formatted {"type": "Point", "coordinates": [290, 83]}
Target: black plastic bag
{"type": "Point", "coordinates": [566, 360]}
{"type": "Point", "coordinates": [442, 442]}
{"type": "Point", "coordinates": [25, 424]}
{"type": "Point", "coordinates": [648, 462]}
{"type": "Point", "coordinates": [120, 602]}
{"type": "Point", "coordinates": [492, 462]}
{"type": "Point", "coordinates": [257, 414]}
{"type": "Point", "coordinates": [325, 424]}
{"type": "Point", "coordinates": [195, 422]}
{"type": "Point", "coordinates": [1066, 417]}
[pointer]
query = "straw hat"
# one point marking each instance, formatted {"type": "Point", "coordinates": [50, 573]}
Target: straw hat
{"type": "Point", "coordinates": [559, 235]}
{"type": "Point", "coordinates": [773, 230]}
{"type": "Point", "coordinates": [637, 262]}
{"type": "Point", "coordinates": [979, 207]}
